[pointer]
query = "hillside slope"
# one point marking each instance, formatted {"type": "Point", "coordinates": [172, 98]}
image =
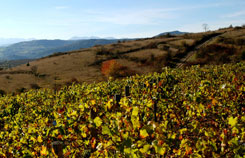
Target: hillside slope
{"type": "Point", "coordinates": [40, 48]}
{"type": "Point", "coordinates": [140, 56]}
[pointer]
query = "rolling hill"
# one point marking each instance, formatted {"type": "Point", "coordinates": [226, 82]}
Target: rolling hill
{"type": "Point", "coordinates": [141, 56]}
{"type": "Point", "coordinates": [40, 48]}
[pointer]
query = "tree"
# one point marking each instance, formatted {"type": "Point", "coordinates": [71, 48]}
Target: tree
{"type": "Point", "coordinates": [205, 27]}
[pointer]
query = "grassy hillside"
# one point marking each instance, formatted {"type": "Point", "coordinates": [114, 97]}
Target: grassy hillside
{"type": "Point", "coordinates": [193, 112]}
{"type": "Point", "coordinates": [139, 56]}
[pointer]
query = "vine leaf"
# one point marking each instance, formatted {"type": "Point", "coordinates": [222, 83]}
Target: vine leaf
{"type": "Point", "coordinates": [143, 134]}
{"type": "Point", "coordinates": [232, 121]}
{"type": "Point", "coordinates": [44, 151]}
{"type": "Point", "coordinates": [97, 121]}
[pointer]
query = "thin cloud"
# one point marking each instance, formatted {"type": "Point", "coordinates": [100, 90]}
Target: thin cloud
{"type": "Point", "coordinates": [145, 17]}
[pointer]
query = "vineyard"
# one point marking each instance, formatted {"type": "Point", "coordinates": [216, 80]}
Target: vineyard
{"type": "Point", "coordinates": [192, 112]}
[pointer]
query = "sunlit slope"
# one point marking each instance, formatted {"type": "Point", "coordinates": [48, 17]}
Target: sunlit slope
{"type": "Point", "coordinates": [141, 56]}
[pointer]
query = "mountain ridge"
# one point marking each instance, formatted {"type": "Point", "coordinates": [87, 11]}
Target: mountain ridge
{"type": "Point", "coordinates": [174, 33]}
{"type": "Point", "coordinates": [39, 48]}
{"type": "Point", "coordinates": [4, 42]}
{"type": "Point", "coordinates": [34, 49]}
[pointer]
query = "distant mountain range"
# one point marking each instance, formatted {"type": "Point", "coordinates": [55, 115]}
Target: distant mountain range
{"type": "Point", "coordinates": [171, 33]}
{"type": "Point", "coordinates": [40, 48]}
{"type": "Point", "coordinates": [8, 41]}
{"type": "Point", "coordinates": [90, 37]}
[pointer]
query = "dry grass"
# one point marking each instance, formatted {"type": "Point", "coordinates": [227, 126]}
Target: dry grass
{"type": "Point", "coordinates": [147, 53]}
{"type": "Point", "coordinates": [181, 41]}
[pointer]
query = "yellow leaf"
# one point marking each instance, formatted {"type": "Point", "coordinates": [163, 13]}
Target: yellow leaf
{"type": "Point", "coordinates": [173, 136]}
{"type": "Point", "coordinates": [135, 111]}
{"type": "Point", "coordinates": [149, 103]}
{"type": "Point", "coordinates": [106, 130]}
{"type": "Point", "coordinates": [145, 148]}
{"type": "Point", "coordinates": [44, 151]}
{"type": "Point", "coordinates": [92, 102]}
{"type": "Point", "coordinates": [183, 130]}
{"type": "Point", "coordinates": [160, 150]}
{"type": "Point", "coordinates": [143, 133]}
{"type": "Point", "coordinates": [98, 121]}
{"type": "Point", "coordinates": [39, 139]}
{"type": "Point", "coordinates": [135, 122]}
{"type": "Point", "coordinates": [81, 107]}
{"type": "Point", "coordinates": [214, 101]}
{"type": "Point", "coordinates": [109, 105]}
{"type": "Point", "coordinates": [74, 113]}
{"type": "Point", "coordinates": [232, 121]}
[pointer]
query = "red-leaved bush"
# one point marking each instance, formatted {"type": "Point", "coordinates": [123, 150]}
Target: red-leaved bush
{"type": "Point", "coordinates": [111, 68]}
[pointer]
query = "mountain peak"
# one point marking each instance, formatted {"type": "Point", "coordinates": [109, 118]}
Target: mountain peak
{"type": "Point", "coordinates": [176, 32]}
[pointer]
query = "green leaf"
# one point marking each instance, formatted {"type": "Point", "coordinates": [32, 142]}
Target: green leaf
{"type": "Point", "coordinates": [97, 121]}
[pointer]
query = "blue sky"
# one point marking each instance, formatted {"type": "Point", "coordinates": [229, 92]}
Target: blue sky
{"type": "Point", "coordinates": [63, 19]}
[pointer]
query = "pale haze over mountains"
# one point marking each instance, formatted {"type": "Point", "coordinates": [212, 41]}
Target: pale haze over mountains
{"type": "Point", "coordinates": [89, 37]}
{"type": "Point", "coordinates": [9, 41]}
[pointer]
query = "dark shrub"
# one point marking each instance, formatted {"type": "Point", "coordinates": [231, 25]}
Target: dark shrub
{"type": "Point", "coordinates": [57, 87]}
{"type": "Point", "coordinates": [152, 45]}
{"type": "Point", "coordinates": [101, 51]}
{"type": "Point", "coordinates": [184, 44]}
{"type": "Point", "coordinates": [8, 77]}
{"type": "Point", "coordinates": [72, 81]}
{"type": "Point", "coordinates": [35, 86]}
{"type": "Point", "coordinates": [2, 93]}
{"type": "Point", "coordinates": [21, 90]}
{"type": "Point", "coordinates": [243, 55]}
{"type": "Point", "coordinates": [240, 42]}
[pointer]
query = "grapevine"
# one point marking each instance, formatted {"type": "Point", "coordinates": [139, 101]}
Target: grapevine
{"type": "Point", "coordinates": [193, 112]}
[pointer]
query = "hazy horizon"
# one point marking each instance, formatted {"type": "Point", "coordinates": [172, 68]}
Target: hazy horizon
{"type": "Point", "coordinates": [62, 19]}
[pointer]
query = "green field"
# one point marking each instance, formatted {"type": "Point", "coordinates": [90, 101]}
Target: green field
{"type": "Point", "coordinates": [193, 112]}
